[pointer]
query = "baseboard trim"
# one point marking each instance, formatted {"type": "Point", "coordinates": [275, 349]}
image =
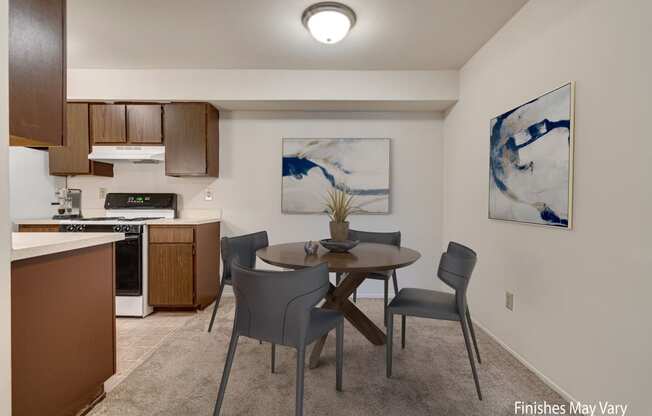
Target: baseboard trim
{"type": "Point", "coordinates": [563, 393]}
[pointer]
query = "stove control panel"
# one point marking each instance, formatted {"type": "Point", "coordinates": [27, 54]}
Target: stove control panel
{"type": "Point", "coordinates": [124, 228]}
{"type": "Point", "coordinates": [73, 228]}
{"type": "Point", "coordinates": [101, 228]}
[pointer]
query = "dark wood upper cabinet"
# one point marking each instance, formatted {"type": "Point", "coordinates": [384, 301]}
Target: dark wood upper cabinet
{"type": "Point", "coordinates": [191, 139]}
{"type": "Point", "coordinates": [37, 72]}
{"type": "Point", "coordinates": [72, 159]}
{"type": "Point", "coordinates": [108, 123]}
{"type": "Point", "coordinates": [144, 123]}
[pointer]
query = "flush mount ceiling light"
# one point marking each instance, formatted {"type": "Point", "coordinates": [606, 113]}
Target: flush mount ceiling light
{"type": "Point", "coordinates": [329, 21]}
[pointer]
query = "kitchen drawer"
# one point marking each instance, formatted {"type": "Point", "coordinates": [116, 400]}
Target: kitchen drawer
{"type": "Point", "coordinates": [171, 234]}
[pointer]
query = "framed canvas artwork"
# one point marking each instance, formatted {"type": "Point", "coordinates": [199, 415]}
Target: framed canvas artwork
{"type": "Point", "coordinates": [531, 161]}
{"type": "Point", "coordinates": [312, 167]}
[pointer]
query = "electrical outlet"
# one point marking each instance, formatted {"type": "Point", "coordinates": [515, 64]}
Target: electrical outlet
{"type": "Point", "coordinates": [102, 193]}
{"type": "Point", "coordinates": [208, 195]}
{"type": "Point", "coordinates": [509, 301]}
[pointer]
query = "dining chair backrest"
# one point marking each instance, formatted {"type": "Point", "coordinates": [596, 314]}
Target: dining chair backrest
{"type": "Point", "coordinates": [455, 268]}
{"type": "Point", "coordinates": [243, 248]}
{"type": "Point", "coordinates": [275, 306]}
{"type": "Point", "coordinates": [389, 238]}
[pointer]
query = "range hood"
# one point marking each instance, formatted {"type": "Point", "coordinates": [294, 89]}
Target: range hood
{"type": "Point", "coordinates": [142, 154]}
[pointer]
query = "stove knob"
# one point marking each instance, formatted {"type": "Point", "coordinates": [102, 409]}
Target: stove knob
{"type": "Point", "coordinates": [117, 228]}
{"type": "Point", "coordinates": [70, 228]}
{"type": "Point", "coordinates": [126, 228]}
{"type": "Point", "coordinates": [79, 228]}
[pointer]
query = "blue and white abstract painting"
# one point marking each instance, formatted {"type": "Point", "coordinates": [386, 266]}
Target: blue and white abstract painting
{"type": "Point", "coordinates": [312, 167]}
{"type": "Point", "coordinates": [530, 164]}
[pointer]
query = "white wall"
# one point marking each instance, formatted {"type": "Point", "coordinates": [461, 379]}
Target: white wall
{"type": "Point", "coordinates": [5, 245]}
{"type": "Point", "coordinates": [30, 184]}
{"type": "Point", "coordinates": [249, 187]}
{"type": "Point", "coordinates": [582, 297]}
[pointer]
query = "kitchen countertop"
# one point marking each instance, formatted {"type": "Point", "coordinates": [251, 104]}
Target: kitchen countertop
{"type": "Point", "coordinates": [182, 221]}
{"type": "Point", "coordinates": [163, 221]}
{"type": "Point", "coordinates": [28, 245]}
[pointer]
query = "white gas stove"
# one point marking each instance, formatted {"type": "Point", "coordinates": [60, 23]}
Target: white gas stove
{"type": "Point", "coordinates": [128, 213]}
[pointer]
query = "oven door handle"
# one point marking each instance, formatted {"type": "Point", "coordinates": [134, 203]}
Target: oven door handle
{"type": "Point", "coordinates": [131, 237]}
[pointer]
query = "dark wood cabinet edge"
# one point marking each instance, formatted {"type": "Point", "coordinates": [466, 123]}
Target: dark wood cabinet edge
{"type": "Point", "coordinates": [95, 169]}
{"type": "Point", "coordinates": [212, 134]}
{"type": "Point", "coordinates": [18, 141]}
{"type": "Point", "coordinates": [64, 77]}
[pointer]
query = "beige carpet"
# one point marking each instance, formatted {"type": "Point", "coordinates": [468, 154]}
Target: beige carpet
{"type": "Point", "coordinates": [431, 376]}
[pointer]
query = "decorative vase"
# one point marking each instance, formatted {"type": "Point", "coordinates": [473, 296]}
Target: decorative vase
{"type": "Point", "coordinates": [339, 230]}
{"type": "Point", "coordinates": [311, 248]}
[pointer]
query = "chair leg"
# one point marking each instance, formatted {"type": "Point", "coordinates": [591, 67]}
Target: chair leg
{"type": "Point", "coordinates": [388, 344]}
{"type": "Point", "coordinates": [339, 354]}
{"type": "Point", "coordinates": [301, 356]}
{"type": "Point", "coordinates": [395, 283]}
{"type": "Point", "coordinates": [355, 296]}
{"type": "Point", "coordinates": [273, 357]}
{"type": "Point", "coordinates": [386, 300]}
{"type": "Point", "coordinates": [217, 302]}
{"type": "Point", "coordinates": [470, 353]}
{"type": "Point", "coordinates": [475, 343]}
{"type": "Point", "coordinates": [338, 277]}
{"type": "Point", "coordinates": [403, 323]}
{"type": "Point", "coordinates": [227, 370]}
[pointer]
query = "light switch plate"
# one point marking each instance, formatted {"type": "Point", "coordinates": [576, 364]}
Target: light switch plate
{"type": "Point", "coordinates": [509, 301]}
{"type": "Point", "coordinates": [102, 193]}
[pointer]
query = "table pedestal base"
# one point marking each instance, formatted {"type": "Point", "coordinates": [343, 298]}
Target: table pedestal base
{"type": "Point", "coordinates": [338, 299]}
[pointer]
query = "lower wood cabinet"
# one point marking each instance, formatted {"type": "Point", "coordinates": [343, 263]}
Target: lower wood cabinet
{"type": "Point", "coordinates": [172, 274]}
{"type": "Point", "coordinates": [183, 265]}
{"type": "Point", "coordinates": [63, 344]}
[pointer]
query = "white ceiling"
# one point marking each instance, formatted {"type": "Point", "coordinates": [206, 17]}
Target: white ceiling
{"type": "Point", "coordinates": [267, 34]}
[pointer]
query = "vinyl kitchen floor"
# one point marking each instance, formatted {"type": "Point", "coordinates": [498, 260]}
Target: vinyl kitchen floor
{"type": "Point", "coordinates": [138, 338]}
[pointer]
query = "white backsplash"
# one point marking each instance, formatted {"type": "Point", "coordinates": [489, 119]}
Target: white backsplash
{"type": "Point", "coordinates": [31, 188]}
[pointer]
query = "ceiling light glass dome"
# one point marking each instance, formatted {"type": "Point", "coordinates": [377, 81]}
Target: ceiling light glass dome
{"type": "Point", "coordinates": [328, 22]}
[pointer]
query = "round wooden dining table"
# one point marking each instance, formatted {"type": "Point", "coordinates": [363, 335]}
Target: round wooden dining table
{"type": "Point", "coordinates": [355, 266]}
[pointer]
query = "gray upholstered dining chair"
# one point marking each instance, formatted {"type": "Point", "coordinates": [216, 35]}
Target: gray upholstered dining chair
{"type": "Point", "coordinates": [389, 238]}
{"type": "Point", "coordinates": [455, 268]}
{"type": "Point", "coordinates": [243, 248]}
{"type": "Point", "coordinates": [279, 307]}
